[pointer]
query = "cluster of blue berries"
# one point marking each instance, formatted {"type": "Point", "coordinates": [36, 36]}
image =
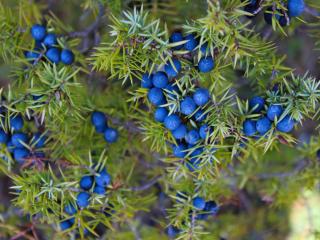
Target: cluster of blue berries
{"type": "Point", "coordinates": [206, 63]}
{"type": "Point", "coordinates": [89, 184]}
{"type": "Point", "coordinates": [294, 9]}
{"type": "Point", "coordinates": [99, 121]}
{"type": "Point", "coordinates": [203, 209]}
{"type": "Point", "coordinates": [190, 107]}
{"type": "Point", "coordinates": [19, 143]}
{"type": "Point", "coordinates": [264, 123]}
{"type": "Point", "coordinates": [162, 87]}
{"type": "Point", "coordinates": [47, 42]}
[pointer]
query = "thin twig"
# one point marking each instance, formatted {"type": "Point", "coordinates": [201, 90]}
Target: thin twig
{"type": "Point", "coordinates": [147, 185]}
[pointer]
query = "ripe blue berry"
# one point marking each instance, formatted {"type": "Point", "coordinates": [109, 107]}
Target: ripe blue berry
{"type": "Point", "coordinates": [111, 135]}
{"type": "Point", "coordinates": [101, 129]}
{"type": "Point", "coordinates": [64, 225]}
{"type": "Point", "coordinates": [263, 125]}
{"type": "Point", "coordinates": [285, 125]}
{"type": "Point", "coordinates": [256, 103]}
{"type": "Point", "coordinates": [146, 81]}
{"type": "Point", "coordinates": [200, 116]}
{"type": "Point", "coordinates": [66, 56]}
{"type": "Point", "coordinates": [39, 140]}
{"type": "Point", "coordinates": [10, 146]}
{"type": "Point", "coordinates": [103, 179]}
{"type": "Point", "coordinates": [19, 138]}
{"type": "Point", "coordinates": [206, 64]}
{"type": "Point", "coordinates": [98, 118]}
{"type": "Point", "coordinates": [31, 55]}
{"type": "Point", "coordinates": [70, 209]}
{"type": "Point", "coordinates": [204, 131]}
{"type": "Point", "coordinates": [86, 182]}
{"type": "Point", "coordinates": [295, 7]}
{"type": "Point", "coordinates": [211, 207]}
{"type": "Point", "coordinates": [53, 54]}
{"type": "Point", "coordinates": [16, 122]}
{"type": "Point", "coordinates": [156, 96]}
{"type": "Point", "coordinates": [99, 190]}
{"type": "Point", "coordinates": [180, 132]}
{"type": "Point", "coordinates": [192, 137]}
{"type": "Point", "coordinates": [3, 137]}
{"type": "Point", "coordinates": [173, 70]}
{"type": "Point", "coordinates": [179, 151]}
{"type": "Point", "coordinates": [83, 199]}
{"type": "Point", "coordinates": [20, 154]}
{"type": "Point", "coordinates": [204, 48]}
{"type": "Point", "coordinates": [193, 164]}
{"type": "Point", "coordinates": [160, 79]}
{"type": "Point", "coordinates": [274, 111]}
{"type": "Point", "coordinates": [199, 203]}
{"type": "Point", "coordinates": [38, 32]}
{"type": "Point", "coordinates": [172, 231]}
{"type": "Point", "coordinates": [249, 127]}
{"type": "Point", "coordinates": [191, 43]}
{"type": "Point", "coordinates": [160, 114]}
{"type": "Point", "coordinates": [318, 154]}
{"type": "Point", "coordinates": [50, 40]}
{"type": "Point", "coordinates": [172, 122]}
{"type": "Point", "coordinates": [187, 106]}
{"type": "Point", "coordinates": [201, 96]}
{"type": "Point", "coordinates": [176, 37]}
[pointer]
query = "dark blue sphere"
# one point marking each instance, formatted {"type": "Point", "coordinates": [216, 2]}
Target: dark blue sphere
{"type": "Point", "coordinates": [263, 125]}
{"type": "Point", "coordinates": [285, 125]}
{"type": "Point", "coordinates": [160, 79]}
{"type": "Point", "coordinates": [70, 209]}
{"type": "Point", "coordinates": [98, 119]}
{"type": "Point", "coordinates": [274, 111]}
{"type": "Point", "coordinates": [32, 55]}
{"type": "Point", "coordinates": [179, 150]}
{"type": "Point", "coordinates": [20, 154]}
{"type": "Point", "coordinates": [146, 81]}
{"type": "Point", "coordinates": [204, 131]}
{"type": "Point", "coordinates": [50, 40]}
{"type": "Point", "coordinates": [66, 224]}
{"type": "Point", "coordinates": [176, 37]}
{"type": "Point", "coordinates": [3, 137]}
{"type": "Point", "coordinates": [187, 106]}
{"type": "Point", "coordinates": [172, 122]}
{"type": "Point", "coordinates": [256, 103]}
{"type": "Point", "coordinates": [103, 179]}
{"type": "Point", "coordinates": [38, 32]}
{"type": "Point", "coordinates": [156, 96]}
{"type": "Point", "coordinates": [249, 127]}
{"type": "Point", "coordinates": [295, 7]}
{"type": "Point", "coordinates": [16, 122]}
{"type": "Point", "coordinates": [204, 48]}
{"type": "Point", "coordinates": [180, 132]}
{"type": "Point", "coordinates": [10, 146]}
{"type": "Point", "coordinates": [53, 55]}
{"type": "Point", "coordinates": [111, 135]}
{"type": "Point", "coordinates": [86, 182]}
{"type": "Point", "coordinates": [39, 140]}
{"type": "Point", "coordinates": [66, 56]}
{"type": "Point", "coordinates": [199, 116]}
{"type": "Point", "coordinates": [160, 114]}
{"type": "Point", "coordinates": [201, 96]}
{"type": "Point", "coordinates": [192, 137]}
{"type": "Point", "coordinates": [211, 207]}
{"type": "Point", "coordinates": [192, 42]}
{"type": "Point", "coordinates": [83, 199]}
{"type": "Point", "coordinates": [199, 203]}
{"type": "Point", "coordinates": [99, 190]}
{"type": "Point", "coordinates": [318, 154]}
{"type": "Point", "coordinates": [172, 231]}
{"type": "Point", "coordinates": [19, 138]}
{"type": "Point", "coordinates": [206, 64]}
{"type": "Point", "coordinates": [173, 69]}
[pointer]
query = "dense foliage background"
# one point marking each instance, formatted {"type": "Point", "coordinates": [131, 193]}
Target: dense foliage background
{"type": "Point", "coordinates": [266, 188]}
